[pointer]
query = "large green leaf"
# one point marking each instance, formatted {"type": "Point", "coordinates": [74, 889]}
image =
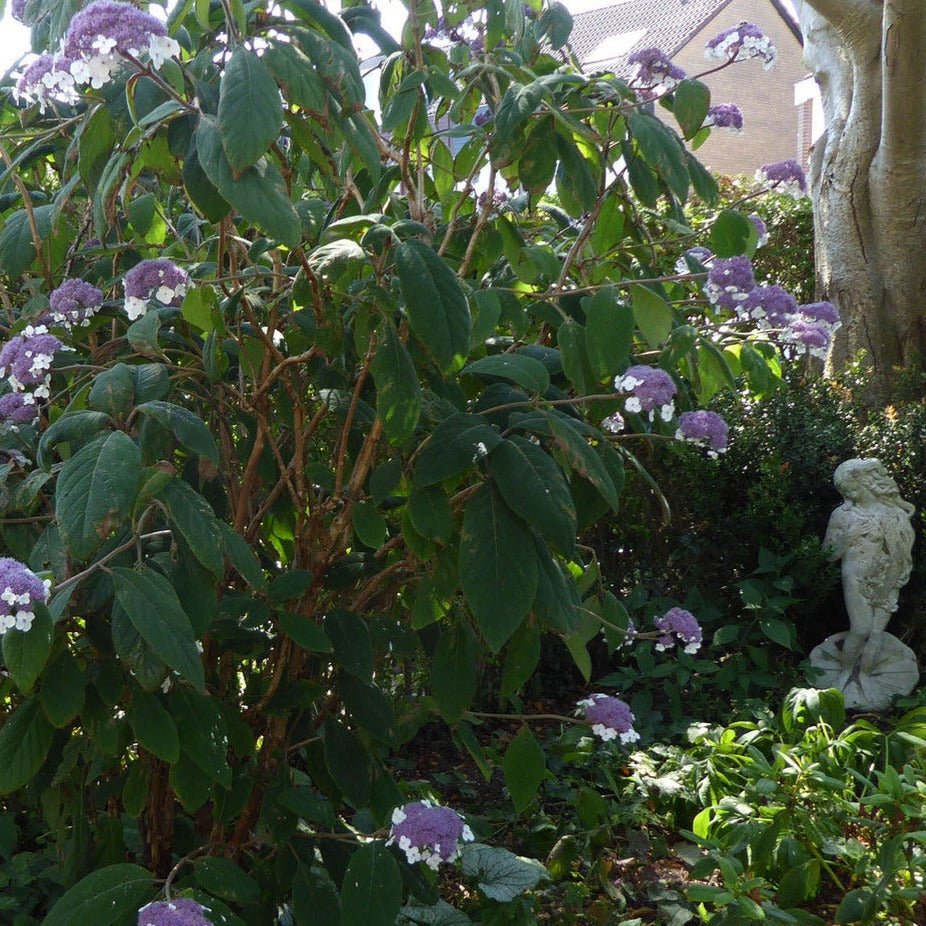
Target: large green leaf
{"type": "Point", "coordinates": [439, 914]}
{"type": "Point", "coordinates": [17, 247]}
{"type": "Point", "coordinates": [455, 671]}
{"type": "Point", "coordinates": [97, 488]}
{"type": "Point", "coordinates": [76, 426]}
{"type": "Point", "coordinates": [250, 112]}
{"type": "Point", "coordinates": [518, 368]}
{"type": "Point", "coordinates": [455, 445]}
{"type": "Point", "coordinates": [243, 557]}
{"type": "Point", "coordinates": [223, 878]}
{"type": "Point", "coordinates": [435, 302]}
{"type": "Point", "coordinates": [498, 566]}
{"type": "Point", "coordinates": [315, 897]}
{"type": "Point", "coordinates": [501, 875]}
{"type": "Point", "coordinates": [293, 69]}
{"type": "Point", "coordinates": [154, 728]}
{"type": "Point", "coordinates": [106, 896]}
{"type": "Point", "coordinates": [525, 767]}
{"type": "Point", "coordinates": [25, 739]}
{"type": "Point", "coordinates": [25, 652]}
{"type": "Point", "coordinates": [203, 733]}
{"type": "Point", "coordinates": [609, 328]}
{"type": "Point", "coordinates": [398, 392]}
{"type": "Point", "coordinates": [347, 761]}
{"type": "Point", "coordinates": [371, 893]}
{"type": "Point", "coordinates": [583, 459]}
{"type": "Point", "coordinates": [653, 315]}
{"type": "Point", "coordinates": [63, 690]}
{"type": "Point", "coordinates": [662, 150]}
{"type": "Point", "coordinates": [351, 642]}
{"type": "Point", "coordinates": [259, 193]}
{"type": "Point", "coordinates": [732, 234]}
{"type": "Point", "coordinates": [192, 515]}
{"type": "Point", "coordinates": [690, 104]}
{"type": "Point", "coordinates": [152, 606]}
{"type": "Point", "coordinates": [189, 430]}
{"type": "Point", "coordinates": [534, 488]}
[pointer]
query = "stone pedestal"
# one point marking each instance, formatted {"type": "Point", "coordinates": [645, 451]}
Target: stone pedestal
{"type": "Point", "coordinates": [893, 672]}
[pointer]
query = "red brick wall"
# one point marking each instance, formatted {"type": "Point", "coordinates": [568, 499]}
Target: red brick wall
{"type": "Point", "coordinates": [771, 120]}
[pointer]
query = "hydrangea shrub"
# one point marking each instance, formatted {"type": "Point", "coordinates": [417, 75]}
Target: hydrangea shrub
{"type": "Point", "coordinates": [297, 395]}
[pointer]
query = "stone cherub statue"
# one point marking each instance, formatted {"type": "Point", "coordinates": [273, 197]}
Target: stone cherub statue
{"type": "Point", "coordinates": [872, 535]}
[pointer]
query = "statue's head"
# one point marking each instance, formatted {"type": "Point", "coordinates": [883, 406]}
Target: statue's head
{"type": "Point", "coordinates": [856, 477]}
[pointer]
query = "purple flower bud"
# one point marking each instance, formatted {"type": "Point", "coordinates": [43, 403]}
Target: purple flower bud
{"type": "Point", "coordinates": [725, 116]}
{"type": "Point", "coordinates": [698, 253]}
{"type": "Point", "coordinates": [106, 31]}
{"type": "Point", "coordinates": [26, 359]}
{"type": "Point", "coordinates": [682, 624]}
{"type": "Point", "coordinates": [483, 115]}
{"type": "Point", "coordinates": [655, 69]}
{"type": "Point", "coordinates": [159, 279]}
{"type": "Point", "coordinates": [21, 590]}
{"type": "Point", "coordinates": [740, 42]}
{"type": "Point", "coordinates": [729, 282]}
{"type": "Point", "coordinates": [179, 912]}
{"type": "Point", "coordinates": [649, 389]}
{"type": "Point", "coordinates": [611, 718]}
{"type": "Point", "coordinates": [822, 313]}
{"type": "Point", "coordinates": [769, 306]}
{"type": "Point", "coordinates": [808, 337]}
{"type": "Point", "coordinates": [705, 428]}
{"type": "Point", "coordinates": [74, 303]}
{"type": "Point", "coordinates": [784, 177]}
{"type": "Point", "coordinates": [18, 408]}
{"type": "Point", "coordinates": [761, 229]}
{"type": "Point", "coordinates": [18, 10]}
{"type": "Point", "coordinates": [428, 833]}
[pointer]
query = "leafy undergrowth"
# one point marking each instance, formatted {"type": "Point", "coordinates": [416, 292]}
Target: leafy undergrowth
{"type": "Point", "coordinates": [802, 817]}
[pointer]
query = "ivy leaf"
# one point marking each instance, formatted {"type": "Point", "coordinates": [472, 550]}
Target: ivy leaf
{"type": "Point", "coordinates": [501, 875]}
{"type": "Point", "coordinates": [96, 491]}
{"type": "Point", "coordinates": [250, 112]}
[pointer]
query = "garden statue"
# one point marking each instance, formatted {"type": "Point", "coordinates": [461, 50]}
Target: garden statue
{"type": "Point", "coordinates": [872, 535]}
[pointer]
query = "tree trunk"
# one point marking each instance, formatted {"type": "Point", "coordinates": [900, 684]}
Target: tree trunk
{"type": "Point", "coordinates": [868, 177]}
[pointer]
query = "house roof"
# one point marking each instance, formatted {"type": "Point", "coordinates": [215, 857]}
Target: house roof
{"type": "Point", "coordinates": [603, 38]}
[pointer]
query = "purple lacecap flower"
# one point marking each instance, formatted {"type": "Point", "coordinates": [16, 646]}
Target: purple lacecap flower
{"type": "Point", "coordinates": [654, 69]}
{"type": "Point", "coordinates": [47, 78]}
{"type": "Point", "coordinates": [179, 912]}
{"type": "Point", "coordinates": [699, 253]}
{"type": "Point", "coordinates": [725, 116]}
{"type": "Point", "coordinates": [729, 282]}
{"type": "Point", "coordinates": [610, 717]}
{"type": "Point", "coordinates": [681, 624]}
{"type": "Point", "coordinates": [429, 833]}
{"type": "Point", "coordinates": [18, 10]}
{"type": "Point", "coordinates": [159, 279]}
{"type": "Point", "coordinates": [822, 313]}
{"type": "Point", "coordinates": [784, 177]}
{"type": "Point", "coordinates": [483, 116]}
{"type": "Point", "coordinates": [613, 423]}
{"type": "Point", "coordinates": [20, 590]}
{"type": "Point", "coordinates": [808, 337]}
{"type": "Point", "coordinates": [649, 389]}
{"type": "Point", "coordinates": [499, 198]}
{"type": "Point", "coordinates": [26, 359]}
{"type": "Point", "coordinates": [106, 31]}
{"type": "Point", "coordinates": [740, 42]}
{"type": "Point", "coordinates": [768, 306]}
{"type": "Point", "coordinates": [18, 408]}
{"type": "Point", "coordinates": [761, 229]}
{"type": "Point", "coordinates": [705, 428]}
{"type": "Point", "coordinates": [74, 303]}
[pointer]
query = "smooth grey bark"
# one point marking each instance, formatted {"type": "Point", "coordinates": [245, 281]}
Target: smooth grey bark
{"type": "Point", "coordinates": [868, 175]}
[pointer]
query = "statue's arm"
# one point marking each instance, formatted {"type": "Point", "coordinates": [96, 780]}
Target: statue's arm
{"type": "Point", "coordinates": [837, 533]}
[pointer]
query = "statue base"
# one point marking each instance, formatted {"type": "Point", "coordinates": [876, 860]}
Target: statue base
{"type": "Point", "coordinates": [894, 672]}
